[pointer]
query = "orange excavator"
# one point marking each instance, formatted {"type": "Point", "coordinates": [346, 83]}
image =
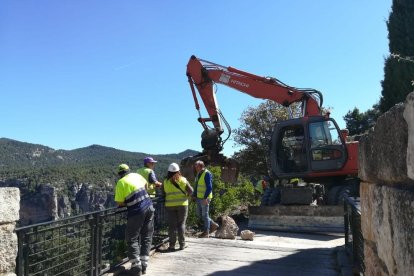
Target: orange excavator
{"type": "Point", "coordinates": [309, 146]}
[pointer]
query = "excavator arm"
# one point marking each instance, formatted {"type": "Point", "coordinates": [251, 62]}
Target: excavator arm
{"type": "Point", "coordinates": [203, 75]}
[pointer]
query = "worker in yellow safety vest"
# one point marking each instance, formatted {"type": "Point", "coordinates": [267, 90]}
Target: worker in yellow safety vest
{"type": "Point", "coordinates": [203, 193]}
{"type": "Point", "coordinates": [148, 173]}
{"type": "Point", "coordinates": [130, 192]}
{"type": "Point", "coordinates": [176, 191]}
{"type": "Point", "coordinates": [261, 186]}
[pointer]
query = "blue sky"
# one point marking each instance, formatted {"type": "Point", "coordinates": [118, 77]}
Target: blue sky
{"type": "Point", "coordinates": [76, 73]}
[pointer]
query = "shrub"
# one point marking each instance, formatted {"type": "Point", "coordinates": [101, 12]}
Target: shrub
{"type": "Point", "coordinates": [227, 198]}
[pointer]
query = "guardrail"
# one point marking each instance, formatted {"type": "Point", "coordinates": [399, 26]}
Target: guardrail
{"type": "Point", "coordinates": [87, 244]}
{"type": "Point", "coordinates": [354, 241]}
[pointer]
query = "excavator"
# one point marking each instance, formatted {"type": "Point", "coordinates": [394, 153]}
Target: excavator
{"type": "Point", "coordinates": [309, 145]}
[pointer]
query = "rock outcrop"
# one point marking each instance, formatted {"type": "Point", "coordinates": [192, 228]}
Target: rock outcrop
{"type": "Point", "coordinates": [387, 192]}
{"type": "Point", "coordinates": [48, 203]}
{"type": "Point", "coordinates": [39, 206]}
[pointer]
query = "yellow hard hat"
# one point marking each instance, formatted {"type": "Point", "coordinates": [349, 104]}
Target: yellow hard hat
{"type": "Point", "coordinates": [123, 168]}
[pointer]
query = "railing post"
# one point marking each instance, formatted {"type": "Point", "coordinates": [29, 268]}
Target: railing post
{"type": "Point", "coordinates": [346, 222]}
{"type": "Point", "coordinates": [94, 240]}
{"type": "Point", "coordinates": [20, 257]}
{"type": "Point", "coordinates": [26, 255]}
{"type": "Point", "coordinates": [99, 228]}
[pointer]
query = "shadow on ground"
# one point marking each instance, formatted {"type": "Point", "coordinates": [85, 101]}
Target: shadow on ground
{"type": "Point", "coordinates": [304, 262]}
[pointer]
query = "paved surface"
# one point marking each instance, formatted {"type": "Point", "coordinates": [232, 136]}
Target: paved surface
{"type": "Point", "coordinates": [271, 253]}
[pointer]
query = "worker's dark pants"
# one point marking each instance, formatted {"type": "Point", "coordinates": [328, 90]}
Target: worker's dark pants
{"type": "Point", "coordinates": [176, 218]}
{"type": "Point", "coordinates": [139, 229]}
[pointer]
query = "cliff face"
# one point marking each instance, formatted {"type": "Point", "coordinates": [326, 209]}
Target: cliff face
{"type": "Point", "coordinates": [48, 203]}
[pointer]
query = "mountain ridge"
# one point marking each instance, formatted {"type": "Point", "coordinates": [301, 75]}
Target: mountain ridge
{"type": "Point", "coordinates": [28, 155]}
{"type": "Point", "coordinates": [95, 164]}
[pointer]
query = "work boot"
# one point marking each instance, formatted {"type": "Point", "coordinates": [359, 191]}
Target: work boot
{"type": "Point", "coordinates": [203, 235]}
{"type": "Point", "coordinates": [171, 249]}
{"type": "Point", "coordinates": [135, 269]}
{"type": "Point", "coordinates": [213, 226]}
{"type": "Point", "coordinates": [182, 246]}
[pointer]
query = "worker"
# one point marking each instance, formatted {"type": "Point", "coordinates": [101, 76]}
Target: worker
{"type": "Point", "coordinates": [261, 186]}
{"type": "Point", "coordinates": [176, 191]}
{"type": "Point", "coordinates": [148, 173]}
{"type": "Point", "coordinates": [130, 192]}
{"type": "Point", "coordinates": [203, 193]}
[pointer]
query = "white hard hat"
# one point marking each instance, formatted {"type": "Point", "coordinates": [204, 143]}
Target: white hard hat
{"type": "Point", "coordinates": [173, 167]}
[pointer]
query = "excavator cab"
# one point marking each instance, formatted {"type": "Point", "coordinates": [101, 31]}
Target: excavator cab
{"type": "Point", "coordinates": [306, 147]}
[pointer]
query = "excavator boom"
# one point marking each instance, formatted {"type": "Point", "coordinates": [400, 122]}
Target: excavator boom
{"type": "Point", "coordinates": [204, 74]}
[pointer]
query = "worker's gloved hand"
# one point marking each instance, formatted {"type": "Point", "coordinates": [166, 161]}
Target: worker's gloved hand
{"type": "Point", "coordinates": [193, 198]}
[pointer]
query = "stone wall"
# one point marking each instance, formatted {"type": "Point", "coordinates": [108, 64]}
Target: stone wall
{"type": "Point", "coordinates": [9, 215]}
{"type": "Point", "coordinates": [386, 168]}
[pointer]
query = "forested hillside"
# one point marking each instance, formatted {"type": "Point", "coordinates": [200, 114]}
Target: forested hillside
{"type": "Point", "coordinates": [96, 165]}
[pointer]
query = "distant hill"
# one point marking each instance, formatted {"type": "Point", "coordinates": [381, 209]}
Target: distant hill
{"type": "Point", "coordinates": [95, 164]}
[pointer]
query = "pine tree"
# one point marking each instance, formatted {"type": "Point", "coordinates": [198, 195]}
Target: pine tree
{"type": "Point", "coordinates": [399, 67]}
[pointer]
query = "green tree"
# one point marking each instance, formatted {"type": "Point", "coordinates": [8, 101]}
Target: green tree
{"type": "Point", "coordinates": [399, 72]}
{"type": "Point", "coordinates": [357, 122]}
{"type": "Point", "coordinates": [254, 135]}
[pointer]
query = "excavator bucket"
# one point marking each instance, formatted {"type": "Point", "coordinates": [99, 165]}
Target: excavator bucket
{"type": "Point", "coordinates": [229, 167]}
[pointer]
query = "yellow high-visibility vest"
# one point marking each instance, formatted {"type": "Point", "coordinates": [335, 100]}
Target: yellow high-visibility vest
{"type": "Point", "coordinates": [259, 186]}
{"type": "Point", "coordinates": [201, 186]}
{"type": "Point", "coordinates": [145, 172]}
{"type": "Point", "coordinates": [173, 195]}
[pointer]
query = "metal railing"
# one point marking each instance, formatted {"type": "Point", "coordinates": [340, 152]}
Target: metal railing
{"type": "Point", "coordinates": [354, 241]}
{"type": "Point", "coordinates": [87, 244]}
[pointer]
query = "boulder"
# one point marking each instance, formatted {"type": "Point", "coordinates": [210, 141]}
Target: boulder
{"type": "Point", "coordinates": [247, 235]}
{"type": "Point", "coordinates": [228, 228]}
{"type": "Point", "coordinates": [385, 153]}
